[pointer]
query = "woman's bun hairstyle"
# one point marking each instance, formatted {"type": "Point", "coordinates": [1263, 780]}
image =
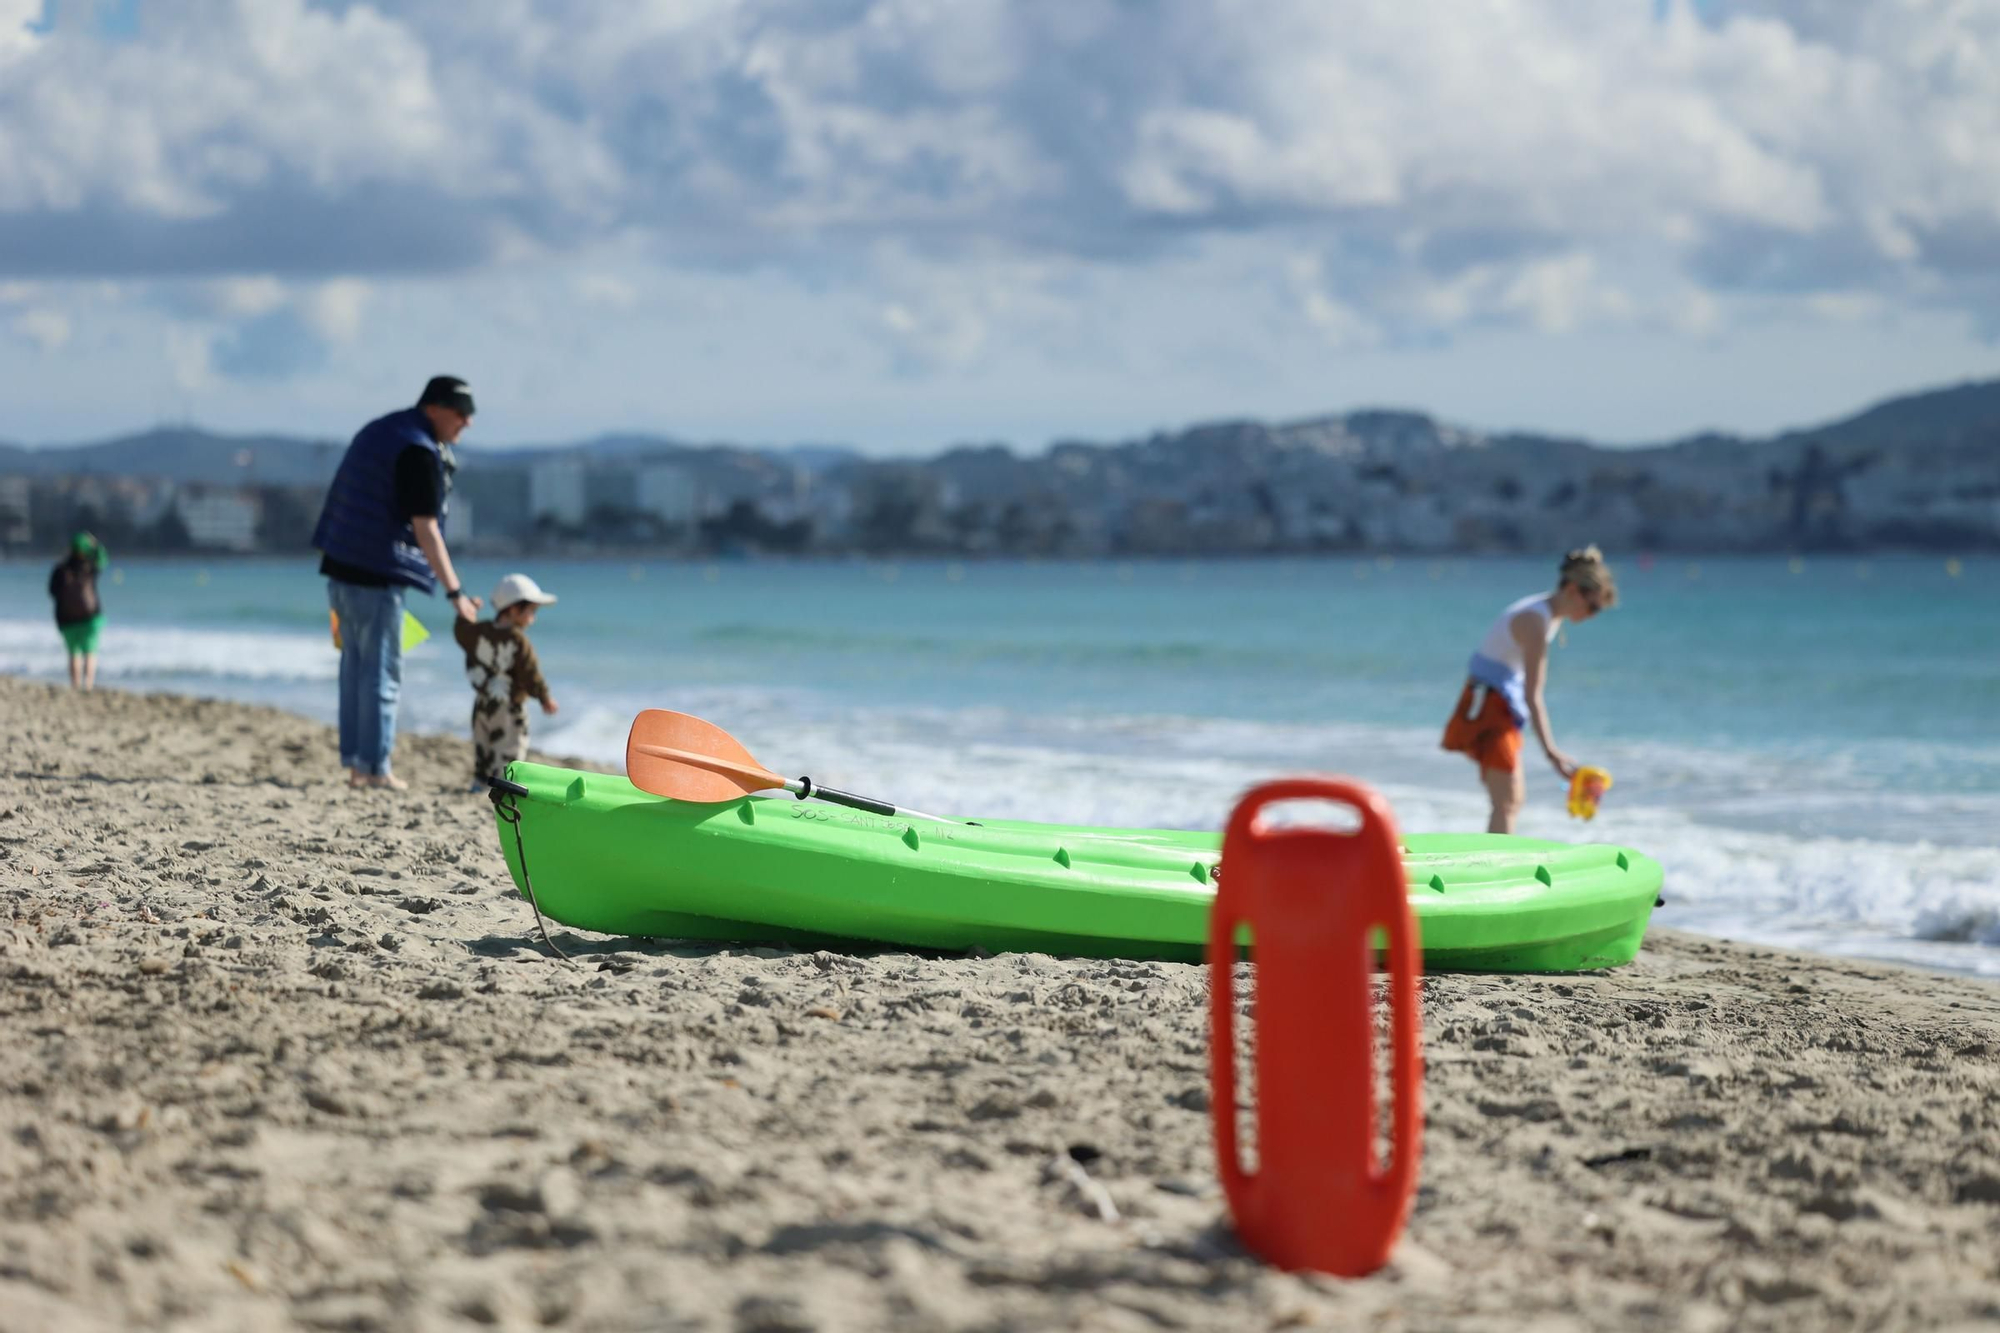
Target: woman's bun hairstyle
{"type": "Point", "coordinates": [1586, 568]}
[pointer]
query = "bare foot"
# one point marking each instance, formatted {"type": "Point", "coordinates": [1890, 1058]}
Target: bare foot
{"type": "Point", "coordinates": [389, 780]}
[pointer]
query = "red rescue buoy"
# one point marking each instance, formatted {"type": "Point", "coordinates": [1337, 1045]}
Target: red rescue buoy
{"type": "Point", "coordinates": [1315, 901]}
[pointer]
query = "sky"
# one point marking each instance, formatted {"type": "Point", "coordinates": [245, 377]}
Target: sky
{"type": "Point", "coordinates": [906, 224]}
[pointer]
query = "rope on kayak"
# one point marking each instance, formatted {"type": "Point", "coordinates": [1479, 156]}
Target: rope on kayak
{"type": "Point", "coordinates": [510, 813]}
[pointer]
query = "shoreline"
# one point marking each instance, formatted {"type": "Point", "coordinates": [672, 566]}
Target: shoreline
{"type": "Point", "coordinates": [1885, 955]}
{"type": "Point", "coordinates": [275, 1052]}
{"type": "Point", "coordinates": [515, 552]}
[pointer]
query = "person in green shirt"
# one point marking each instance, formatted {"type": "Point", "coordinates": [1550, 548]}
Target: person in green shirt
{"type": "Point", "coordinates": [79, 613]}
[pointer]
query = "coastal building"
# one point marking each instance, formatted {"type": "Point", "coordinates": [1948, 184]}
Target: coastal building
{"type": "Point", "coordinates": [153, 503]}
{"type": "Point", "coordinates": [499, 494]}
{"type": "Point", "coordinates": [557, 492]}
{"type": "Point", "coordinates": [16, 527]}
{"type": "Point", "coordinates": [217, 519]}
{"type": "Point", "coordinates": [668, 492]}
{"type": "Point", "coordinates": [609, 488]}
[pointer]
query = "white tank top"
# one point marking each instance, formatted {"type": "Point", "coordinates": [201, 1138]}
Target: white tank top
{"type": "Point", "coordinates": [1500, 645]}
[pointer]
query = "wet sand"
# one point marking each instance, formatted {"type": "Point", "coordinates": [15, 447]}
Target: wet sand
{"type": "Point", "coordinates": [274, 1053]}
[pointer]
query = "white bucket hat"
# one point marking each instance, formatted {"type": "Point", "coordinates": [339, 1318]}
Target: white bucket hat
{"type": "Point", "coordinates": [519, 588]}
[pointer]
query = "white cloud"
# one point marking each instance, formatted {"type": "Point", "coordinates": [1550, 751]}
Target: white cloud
{"type": "Point", "coordinates": [1847, 307]}
{"type": "Point", "coordinates": [333, 310]}
{"type": "Point", "coordinates": [1342, 325]}
{"type": "Point", "coordinates": [232, 109]}
{"type": "Point", "coordinates": [943, 332]}
{"type": "Point", "coordinates": [188, 354]}
{"type": "Point", "coordinates": [943, 316]}
{"type": "Point", "coordinates": [607, 290]}
{"type": "Point", "coordinates": [1771, 145]}
{"type": "Point", "coordinates": [1559, 295]}
{"type": "Point", "coordinates": [247, 296]}
{"type": "Point", "coordinates": [46, 329]}
{"type": "Point", "coordinates": [945, 187]}
{"type": "Point", "coordinates": [15, 37]}
{"type": "Point", "coordinates": [1694, 313]}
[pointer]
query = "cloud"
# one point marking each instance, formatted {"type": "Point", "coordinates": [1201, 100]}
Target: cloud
{"type": "Point", "coordinates": [186, 351]}
{"type": "Point", "coordinates": [607, 291]}
{"type": "Point", "coordinates": [1508, 165]}
{"type": "Point", "coordinates": [46, 329]}
{"type": "Point", "coordinates": [259, 326]}
{"type": "Point", "coordinates": [1339, 323]}
{"type": "Point", "coordinates": [290, 332]}
{"type": "Point", "coordinates": [270, 135]}
{"type": "Point", "coordinates": [333, 310]}
{"type": "Point", "coordinates": [276, 346]}
{"type": "Point", "coordinates": [17, 28]}
{"type": "Point", "coordinates": [255, 295]}
{"type": "Point", "coordinates": [944, 316]}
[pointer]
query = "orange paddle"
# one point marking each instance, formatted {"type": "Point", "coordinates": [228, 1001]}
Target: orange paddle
{"type": "Point", "coordinates": [686, 758]}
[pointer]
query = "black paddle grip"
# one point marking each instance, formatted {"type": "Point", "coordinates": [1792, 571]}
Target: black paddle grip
{"type": "Point", "coordinates": [807, 787]}
{"type": "Point", "coordinates": [497, 788]}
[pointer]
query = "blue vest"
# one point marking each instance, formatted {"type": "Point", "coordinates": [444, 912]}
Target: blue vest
{"type": "Point", "coordinates": [359, 524]}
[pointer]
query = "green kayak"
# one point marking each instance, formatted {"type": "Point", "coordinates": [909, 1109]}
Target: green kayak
{"type": "Point", "coordinates": [605, 856]}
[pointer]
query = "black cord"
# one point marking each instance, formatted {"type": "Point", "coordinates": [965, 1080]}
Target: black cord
{"type": "Point", "coordinates": [503, 802]}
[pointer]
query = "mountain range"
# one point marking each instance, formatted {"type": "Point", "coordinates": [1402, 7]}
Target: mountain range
{"type": "Point", "coordinates": [1921, 470]}
{"type": "Point", "coordinates": [1959, 416]}
{"type": "Point", "coordinates": [190, 454]}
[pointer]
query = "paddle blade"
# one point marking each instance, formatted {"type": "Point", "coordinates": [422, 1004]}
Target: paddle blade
{"type": "Point", "coordinates": [705, 763]}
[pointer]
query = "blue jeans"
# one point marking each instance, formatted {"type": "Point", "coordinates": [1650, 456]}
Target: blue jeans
{"type": "Point", "coordinates": [371, 671]}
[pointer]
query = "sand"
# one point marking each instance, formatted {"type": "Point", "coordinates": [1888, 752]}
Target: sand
{"type": "Point", "coordinates": [275, 1054]}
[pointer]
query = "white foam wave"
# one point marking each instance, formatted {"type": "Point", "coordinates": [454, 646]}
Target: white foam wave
{"type": "Point", "coordinates": [1918, 902]}
{"type": "Point", "coordinates": [1961, 920]}
{"type": "Point", "coordinates": [1925, 902]}
{"type": "Point", "coordinates": [1756, 846]}
{"type": "Point", "coordinates": [151, 652]}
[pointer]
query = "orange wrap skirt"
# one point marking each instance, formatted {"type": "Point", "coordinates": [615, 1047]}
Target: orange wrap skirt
{"type": "Point", "coordinates": [1484, 731]}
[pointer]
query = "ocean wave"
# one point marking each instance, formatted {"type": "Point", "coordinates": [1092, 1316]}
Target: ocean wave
{"type": "Point", "coordinates": [1812, 848]}
{"type": "Point", "coordinates": [1914, 899]}
{"type": "Point", "coordinates": [150, 652]}
{"type": "Point", "coordinates": [1961, 921]}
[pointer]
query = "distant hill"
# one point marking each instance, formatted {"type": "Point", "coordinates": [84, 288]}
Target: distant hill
{"type": "Point", "coordinates": [190, 454]}
{"type": "Point", "coordinates": [186, 454]}
{"type": "Point", "coordinates": [1960, 417]}
{"type": "Point", "coordinates": [1921, 470]}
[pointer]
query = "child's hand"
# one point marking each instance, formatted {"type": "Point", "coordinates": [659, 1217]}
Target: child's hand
{"type": "Point", "coordinates": [549, 704]}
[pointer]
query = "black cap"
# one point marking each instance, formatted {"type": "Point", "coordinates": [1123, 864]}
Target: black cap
{"type": "Point", "coordinates": [447, 391]}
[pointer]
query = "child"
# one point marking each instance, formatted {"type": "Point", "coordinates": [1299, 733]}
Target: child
{"type": "Point", "coordinates": [79, 614]}
{"type": "Point", "coordinates": [1503, 693]}
{"type": "Point", "coordinates": [500, 663]}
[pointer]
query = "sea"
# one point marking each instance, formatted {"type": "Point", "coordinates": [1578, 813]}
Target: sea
{"type": "Point", "coordinates": [1810, 746]}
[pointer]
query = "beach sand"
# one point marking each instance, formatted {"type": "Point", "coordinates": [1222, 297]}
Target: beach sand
{"type": "Point", "coordinates": [274, 1053]}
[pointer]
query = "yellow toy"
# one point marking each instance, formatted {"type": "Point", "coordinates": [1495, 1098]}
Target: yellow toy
{"type": "Point", "coordinates": [1585, 790]}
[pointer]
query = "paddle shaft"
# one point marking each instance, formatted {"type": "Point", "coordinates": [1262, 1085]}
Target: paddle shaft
{"type": "Point", "coordinates": [803, 788]}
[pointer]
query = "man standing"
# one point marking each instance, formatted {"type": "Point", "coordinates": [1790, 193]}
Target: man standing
{"type": "Point", "coordinates": [381, 531]}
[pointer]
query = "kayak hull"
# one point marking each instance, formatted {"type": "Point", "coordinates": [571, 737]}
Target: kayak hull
{"type": "Point", "coordinates": [603, 855]}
